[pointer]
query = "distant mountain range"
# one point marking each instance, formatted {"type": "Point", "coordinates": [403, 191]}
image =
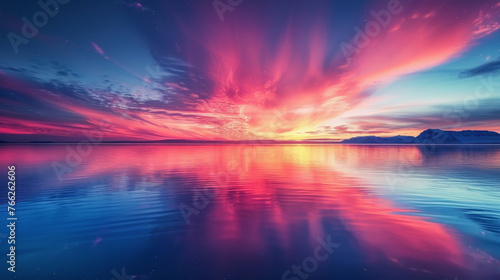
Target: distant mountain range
{"type": "Point", "coordinates": [429, 136]}
{"type": "Point", "coordinates": [433, 136]}
{"type": "Point", "coordinates": [380, 140]}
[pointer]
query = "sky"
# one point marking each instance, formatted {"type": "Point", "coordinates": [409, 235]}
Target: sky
{"type": "Point", "coordinates": [246, 69]}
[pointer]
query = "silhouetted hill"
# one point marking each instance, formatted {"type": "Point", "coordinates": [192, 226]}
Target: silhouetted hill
{"type": "Point", "coordinates": [433, 136]}
{"type": "Point", "coordinates": [380, 140]}
{"type": "Point", "coordinates": [438, 136]}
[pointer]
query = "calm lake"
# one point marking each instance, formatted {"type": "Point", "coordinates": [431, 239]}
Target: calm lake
{"type": "Point", "coordinates": [254, 212]}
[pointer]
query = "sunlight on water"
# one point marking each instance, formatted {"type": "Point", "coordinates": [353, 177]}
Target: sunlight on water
{"type": "Point", "coordinates": [257, 212]}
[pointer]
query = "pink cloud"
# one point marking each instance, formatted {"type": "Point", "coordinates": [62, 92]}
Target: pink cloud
{"type": "Point", "coordinates": [99, 50]}
{"type": "Point", "coordinates": [294, 86]}
{"type": "Point", "coordinates": [279, 92]}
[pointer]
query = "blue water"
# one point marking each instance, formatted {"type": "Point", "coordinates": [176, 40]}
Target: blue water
{"type": "Point", "coordinates": [253, 212]}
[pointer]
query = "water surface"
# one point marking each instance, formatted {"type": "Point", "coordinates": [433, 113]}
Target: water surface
{"type": "Point", "coordinates": [255, 212]}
